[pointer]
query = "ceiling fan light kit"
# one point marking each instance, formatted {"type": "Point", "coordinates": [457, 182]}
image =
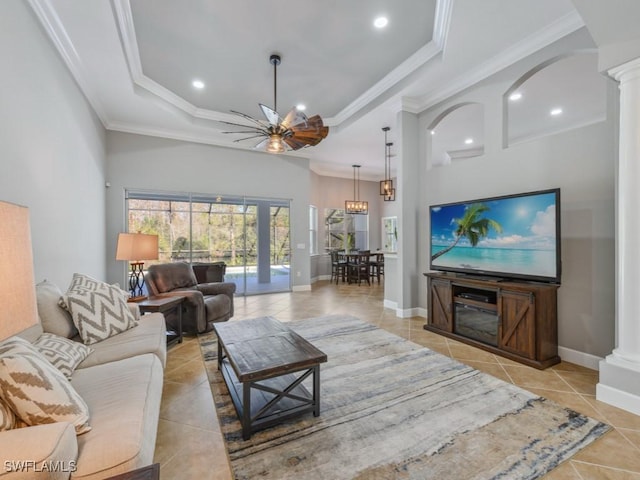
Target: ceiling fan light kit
{"type": "Point", "coordinates": [294, 132]}
{"type": "Point", "coordinates": [386, 186]}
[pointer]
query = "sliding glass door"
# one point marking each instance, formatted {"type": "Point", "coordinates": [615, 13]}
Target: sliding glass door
{"type": "Point", "coordinates": [251, 235]}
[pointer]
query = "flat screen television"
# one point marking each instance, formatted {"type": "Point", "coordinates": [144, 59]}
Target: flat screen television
{"type": "Point", "coordinates": [512, 236]}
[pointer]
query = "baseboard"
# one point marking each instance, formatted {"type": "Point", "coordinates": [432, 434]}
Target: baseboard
{"type": "Point", "coordinates": [301, 288]}
{"type": "Point", "coordinates": [320, 277]}
{"type": "Point", "coordinates": [579, 358]}
{"type": "Point", "coordinates": [390, 304]}
{"type": "Point", "coordinates": [618, 398]}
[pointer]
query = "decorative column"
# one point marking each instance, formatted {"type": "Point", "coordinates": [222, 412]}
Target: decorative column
{"type": "Point", "coordinates": [620, 371]}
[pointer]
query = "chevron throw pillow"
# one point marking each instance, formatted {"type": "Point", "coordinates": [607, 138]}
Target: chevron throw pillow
{"type": "Point", "coordinates": [81, 283]}
{"type": "Point", "coordinates": [64, 354]}
{"type": "Point", "coordinates": [7, 417]}
{"type": "Point", "coordinates": [99, 314]}
{"type": "Point", "coordinates": [36, 390]}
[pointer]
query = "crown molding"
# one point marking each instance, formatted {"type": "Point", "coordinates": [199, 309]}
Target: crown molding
{"type": "Point", "coordinates": [175, 134]}
{"type": "Point", "coordinates": [52, 25]}
{"type": "Point", "coordinates": [562, 27]}
{"type": "Point", "coordinates": [124, 20]}
{"type": "Point", "coordinates": [441, 24]}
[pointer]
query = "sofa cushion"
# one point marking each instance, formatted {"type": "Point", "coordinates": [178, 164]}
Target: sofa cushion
{"type": "Point", "coordinates": [36, 390]}
{"type": "Point", "coordinates": [217, 306]}
{"type": "Point", "coordinates": [53, 444]}
{"type": "Point", "coordinates": [124, 399]}
{"type": "Point", "coordinates": [53, 317]}
{"type": "Point", "coordinates": [148, 337]}
{"type": "Point", "coordinates": [64, 354]}
{"type": "Point", "coordinates": [7, 417]}
{"type": "Point", "coordinates": [99, 314]}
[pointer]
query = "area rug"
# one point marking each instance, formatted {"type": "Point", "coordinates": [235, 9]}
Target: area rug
{"type": "Point", "coordinates": [391, 409]}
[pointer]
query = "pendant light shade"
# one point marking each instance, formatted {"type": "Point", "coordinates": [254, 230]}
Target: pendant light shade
{"type": "Point", "coordinates": [357, 206]}
{"type": "Point", "coordinates": [386, 186]}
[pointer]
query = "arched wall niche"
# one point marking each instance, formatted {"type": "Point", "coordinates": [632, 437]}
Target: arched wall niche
{"type": "Point", "coordinates": [456, 133]}
{"type": "Point", "coordinates": [560, 94]}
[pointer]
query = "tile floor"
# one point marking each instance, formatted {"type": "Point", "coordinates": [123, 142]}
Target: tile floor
{"type": "Point", "coordinates": [190, 446]}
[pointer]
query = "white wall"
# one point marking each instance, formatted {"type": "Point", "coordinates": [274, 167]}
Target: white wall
{"type": "Point", "coordinates": [52, 151]}
{"type": "Point", "coordinates": [581, 162]}
{"type": "Point", "coordinates": [150, 163]}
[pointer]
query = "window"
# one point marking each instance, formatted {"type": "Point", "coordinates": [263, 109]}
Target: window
{"type": "Point", "coordinates": [345, 231]}
{"type": "Point", "coordinates": [313, 230]}
{"type": "Point", "coordinates": [251, 235]}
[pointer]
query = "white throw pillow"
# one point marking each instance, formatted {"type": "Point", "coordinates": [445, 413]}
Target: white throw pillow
{"type": "Point", "coordinates": [64, 354]}
{"type": "Point", "coordinates": [55, 319]}
{"type": "Point", "coordinates": [36, 390]}
{"type": "Point", "coordinates": [7, 417]}
{"type": "Point", "coordinates": [98, 310]}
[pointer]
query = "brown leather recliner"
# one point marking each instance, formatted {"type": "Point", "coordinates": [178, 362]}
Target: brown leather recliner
{"type": "Point", "coordinates": [204, 303]}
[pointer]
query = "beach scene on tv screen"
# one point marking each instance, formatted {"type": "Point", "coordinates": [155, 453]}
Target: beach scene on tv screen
{"type": "Point", "coordinates": [515, 235]}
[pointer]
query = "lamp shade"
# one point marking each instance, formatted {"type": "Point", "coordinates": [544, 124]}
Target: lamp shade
{"type": "Point", "coordinates": [17, 286]}
{"type": "Point", "coordinates": [137, 246]}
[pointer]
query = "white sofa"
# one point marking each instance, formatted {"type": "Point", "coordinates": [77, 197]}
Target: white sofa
{"type": "Point", "coordinates": [121, 383]}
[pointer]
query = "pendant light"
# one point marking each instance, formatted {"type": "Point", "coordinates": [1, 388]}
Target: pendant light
{"type": "Point", "coordinates": [357, 206]}
{"type": "Point", "coordinates": [386, 185]}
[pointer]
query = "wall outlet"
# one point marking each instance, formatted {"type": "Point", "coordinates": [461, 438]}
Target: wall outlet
{"type": "Point", "coordinates": [298, 274]}
{"type": "Point", "coordinates": [300, 246]}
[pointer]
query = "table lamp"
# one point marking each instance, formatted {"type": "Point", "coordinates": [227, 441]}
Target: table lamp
{"type": "Point", "coordinates": [17, 285]}
{"type": "Point", "coordinates": [135, 247]}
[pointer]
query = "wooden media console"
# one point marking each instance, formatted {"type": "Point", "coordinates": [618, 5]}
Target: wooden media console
{"type": "Point", "coordinates": [517, 320]}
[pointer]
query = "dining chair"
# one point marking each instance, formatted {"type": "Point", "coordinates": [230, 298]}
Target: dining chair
{"type": "Point", "coordinates": [376, 265]}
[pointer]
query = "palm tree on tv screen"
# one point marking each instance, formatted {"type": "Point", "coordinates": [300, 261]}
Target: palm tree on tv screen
{"type": "Point", "coordinates": [471, 226]}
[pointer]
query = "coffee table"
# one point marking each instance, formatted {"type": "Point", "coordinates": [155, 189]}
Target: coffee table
{"type": "Point", "coordinates": [264, 363]}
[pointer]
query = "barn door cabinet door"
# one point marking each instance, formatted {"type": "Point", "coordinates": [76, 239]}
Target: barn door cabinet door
{"type": "Point", "coordinates": [516, 328]}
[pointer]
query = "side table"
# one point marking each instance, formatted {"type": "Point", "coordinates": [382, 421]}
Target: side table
{"type": "Point", "coordinates": [162, 305]}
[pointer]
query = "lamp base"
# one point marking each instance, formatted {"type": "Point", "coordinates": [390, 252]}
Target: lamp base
{"type": "Point", "coordinates": [136, 280]}
{"type": "Point", "coordinates": [137, 299]}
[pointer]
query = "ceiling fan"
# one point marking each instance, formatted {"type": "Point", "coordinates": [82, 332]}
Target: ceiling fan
{"type": "Point", "coordinates": [293, 132]}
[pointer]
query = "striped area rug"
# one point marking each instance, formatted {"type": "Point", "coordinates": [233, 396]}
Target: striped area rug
{"type": "Point", "coordinates": [392, 409]}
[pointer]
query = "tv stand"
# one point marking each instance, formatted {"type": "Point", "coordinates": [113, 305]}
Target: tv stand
{"type": "Point", "coordinates": [517, 320]}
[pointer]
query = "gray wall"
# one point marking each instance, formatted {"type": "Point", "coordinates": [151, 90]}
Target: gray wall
{"type": "Point", "coordinates": [52, 151]}
{"type": "Point", "coordinates": [581, 162]}
{"type": "Point", "coordinates": [141, 162]}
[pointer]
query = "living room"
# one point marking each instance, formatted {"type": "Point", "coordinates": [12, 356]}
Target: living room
{"type": "Point", "coordinates": [71, 167]}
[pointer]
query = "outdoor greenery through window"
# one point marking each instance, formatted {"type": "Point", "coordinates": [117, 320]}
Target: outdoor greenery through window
{"type": "Point", "coordinates": [250, 234]}
{"type": "Point", "coordinates": [344, 231]}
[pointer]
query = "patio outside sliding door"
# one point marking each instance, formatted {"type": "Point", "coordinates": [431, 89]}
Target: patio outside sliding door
{"type": "Point", "coordinates": [251, 235]}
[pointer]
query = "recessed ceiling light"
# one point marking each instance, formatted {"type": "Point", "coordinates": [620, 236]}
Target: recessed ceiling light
{"type": "Point", "coordinates": [515, 96]}
{"type": "Point", "coordinates": [556, 111]}
{"type": "Point", "coordinates": [380, 22]}
{"type": "Point", "coordinates": [301, 107]}
{"type": "Point", "coordinates": [469, 141]}
{"type": "Point", "coordinates": [433, 132]}
{"type": "Point", "coordinates": [199, 84]}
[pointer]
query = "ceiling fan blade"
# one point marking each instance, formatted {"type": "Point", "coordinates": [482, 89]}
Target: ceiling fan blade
{"type": "Point", "coordinates": [262, 145]}
{"type": "Point", "coordinates": [246, 138]}
{"type": "Point", "coordinates": [244, 115]}
{"type": "Point", "coordinates": [272, 116]}
{"type": "Point", "coordinates": [310, 134]}
{"type": "Point", "coordinates": [294, 143]}
{"type": "Point", "coordinates": [294, 118]}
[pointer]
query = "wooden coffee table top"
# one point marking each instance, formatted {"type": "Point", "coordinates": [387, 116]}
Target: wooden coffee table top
{"type": "Point", "coordinates": [263, 347]}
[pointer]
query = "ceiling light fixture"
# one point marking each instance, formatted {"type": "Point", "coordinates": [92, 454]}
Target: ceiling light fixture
{"type": "Point", "coordinates": [556, 111]}
{"type": "Point", "coordinates": [199, 84]}
{"type": "Point", "coordinates": [294, 132]}
{"type": "Point", "coordinates": [301, 107]}
{"type": "Point", "coordinates": [380, 22]}
{"type": "Point", "coordinates": [357, 206]}
{"type": "Point", "coordinates": [386, 185]}
{"type": "Point", "coordinates": [515, 96]}
{"type": "Point", "coordinates": [468, 141]}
